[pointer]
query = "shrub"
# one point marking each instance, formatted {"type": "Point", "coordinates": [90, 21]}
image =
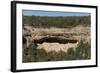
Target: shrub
{"type": "Point", "coordinates": [81, 52]}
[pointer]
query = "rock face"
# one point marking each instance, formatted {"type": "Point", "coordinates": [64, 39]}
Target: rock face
{"type": "Point", "coordinates": [56, 46]}
{"type": "Point", "coordinates": [55, 38]}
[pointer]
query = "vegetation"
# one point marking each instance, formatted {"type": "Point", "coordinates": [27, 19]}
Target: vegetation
{"type": "Point", "coordinates": [81, 52]}
{"type": "Point", "coordinates": [58, 21]}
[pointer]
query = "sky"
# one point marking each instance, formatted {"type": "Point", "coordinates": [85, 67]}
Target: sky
{"type": "Point", "coordinates": [52, 13]}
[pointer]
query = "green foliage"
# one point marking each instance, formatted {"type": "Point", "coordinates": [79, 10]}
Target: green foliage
{"type": "Point", "coordinates": [41, 55]}
{"type": "Point", "coordinates": [81, 52]}
{"type": "Point", "coordinates": [70, 55]}
{"type": "Point", "coordinates": [62, 22]}
{"type": "Point", "coordinates": [29, 54]}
